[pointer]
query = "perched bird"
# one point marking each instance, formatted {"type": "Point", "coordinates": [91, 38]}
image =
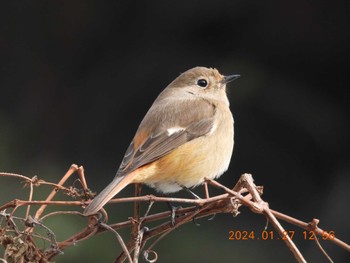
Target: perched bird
{"type": "Point", "coordinates": [186, 135]}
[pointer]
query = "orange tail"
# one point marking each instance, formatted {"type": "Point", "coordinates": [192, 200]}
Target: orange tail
{"type": "Point", "coordinates": [118, 184]}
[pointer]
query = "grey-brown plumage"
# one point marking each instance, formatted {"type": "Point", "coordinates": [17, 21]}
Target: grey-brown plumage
{"type": "Point", "coordinates": [186, 135]}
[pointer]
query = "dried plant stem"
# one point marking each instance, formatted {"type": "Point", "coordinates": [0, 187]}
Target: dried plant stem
{"type": "Point", "coordinates": [244, 193]}
{"type": "Point", "coordinates": [70, 171]}
{"type": "Point", "coordinates": [248, 183]}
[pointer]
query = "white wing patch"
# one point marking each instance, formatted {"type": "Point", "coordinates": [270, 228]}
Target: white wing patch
{"type": "Point", "coordinates": [173, 130]}
{"type": "Point", "coordinates": [213, 128]}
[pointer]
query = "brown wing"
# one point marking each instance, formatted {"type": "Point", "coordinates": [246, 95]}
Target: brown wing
{"type": "Point", "coordinates": [196, 118]}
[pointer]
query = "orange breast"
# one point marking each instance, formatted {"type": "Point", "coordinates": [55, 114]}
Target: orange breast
{"type": "Point", "coordinates": [206, 156]}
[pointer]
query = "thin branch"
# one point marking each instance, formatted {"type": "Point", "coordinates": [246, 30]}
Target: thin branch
{"type": "Point", "coordinates": [206, 190]}
{"type": "Point", "coordinates": [323, 251]}
{"type": "Point", "coordinates": [16, 176]}
{"type": "Point", "coordinates": [70, 171]}
{"type": "Point", "coordinates": [120, 239]}
{"type": "Point", "coordinates": [244, 193]}
{"type": "Point", "coordinates": [30, 195]}
{"type": "Point", "coordinates": [307, 226]}
{"type": "Point", "coordinates": [136, 233]}
{"type": "Point", "coordinates": [249, 184]}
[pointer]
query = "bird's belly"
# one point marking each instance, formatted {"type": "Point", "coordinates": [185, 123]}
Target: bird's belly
{"type": "Point", "coordinates": [189, 164]}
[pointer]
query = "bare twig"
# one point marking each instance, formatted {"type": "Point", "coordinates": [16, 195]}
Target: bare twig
{"type": "Point", "coordinates": [323, 251]}
{"type": "Point", "coordinates": [70, 171]}
{"type": "Point", "coordinates": [307, 226]}
{"type": "Point", "coordinates": [16, 176]}
{"type": "Point", "coordinates": [249, 184]}
{"type": "Point", "coordinates": [206, 190]}
{"type": "Point", "coordinates": [244, 193]}
{"type": "Point", "coordinates": [136, 233]}
{"type": "Point", "coordinates": [120, 239]}
{"type": "Point", "coordinates": [30, 195]}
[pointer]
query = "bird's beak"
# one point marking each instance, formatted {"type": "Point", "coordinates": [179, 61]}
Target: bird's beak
{"type": "Point", "coordinates": [227, 79]}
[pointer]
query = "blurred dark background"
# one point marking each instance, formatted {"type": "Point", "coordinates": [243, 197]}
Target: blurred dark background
{"type": "Point", "coordinates": [77, 77]}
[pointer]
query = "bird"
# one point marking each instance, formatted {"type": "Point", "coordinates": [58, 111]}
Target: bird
{"type": "Point", "coordinates": [187, 135]}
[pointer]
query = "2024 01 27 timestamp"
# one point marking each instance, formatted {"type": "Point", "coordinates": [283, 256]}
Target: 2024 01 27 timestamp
{"type": "Point", "coordinates": [271, 235]}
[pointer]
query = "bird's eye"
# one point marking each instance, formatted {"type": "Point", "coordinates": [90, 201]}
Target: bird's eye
{"type": "Point", "coordinates": [202, 83]}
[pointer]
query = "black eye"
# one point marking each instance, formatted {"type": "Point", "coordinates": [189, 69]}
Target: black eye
{"type": "Point", "coordinates": [202, 83]}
